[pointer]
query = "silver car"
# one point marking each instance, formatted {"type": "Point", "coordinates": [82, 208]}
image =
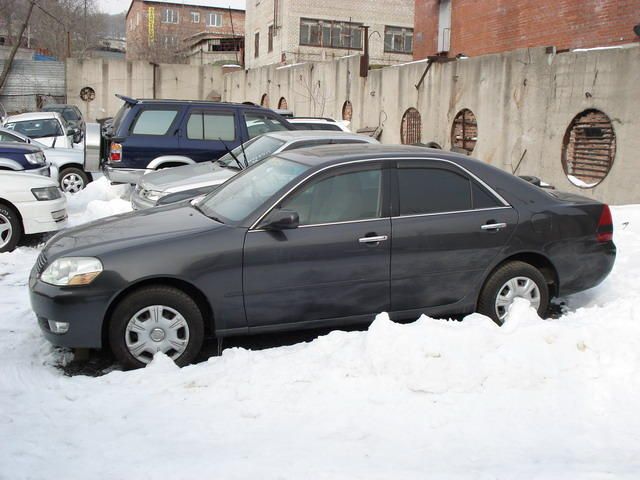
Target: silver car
{"type": "Point", "coordinates": [188, 181]}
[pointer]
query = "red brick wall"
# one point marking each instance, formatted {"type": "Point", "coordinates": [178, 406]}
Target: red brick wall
{"type": "Point", "coordinates": [490, 26]}
{"type": "Point", "coordinates": [137, 37]}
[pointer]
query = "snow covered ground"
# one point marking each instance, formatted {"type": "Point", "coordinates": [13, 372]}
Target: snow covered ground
{"type": "Point", "coordinates": [536, 399]}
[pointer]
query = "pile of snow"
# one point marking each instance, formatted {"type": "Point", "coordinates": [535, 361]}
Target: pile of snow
{"type": "Point", "coordinates": [544, 399]}
{"type": "Point", "coordinates": [98, 200]}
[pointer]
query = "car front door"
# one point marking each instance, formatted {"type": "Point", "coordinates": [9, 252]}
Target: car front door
{"type": "Point", "coordinates": [207, 133]}
{"type": "Point", "coordinates": [333, 268]}
{"type": "Point", "coordinates": [447, 228]}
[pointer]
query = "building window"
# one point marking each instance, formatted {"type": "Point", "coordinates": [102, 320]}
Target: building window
{"type": "Point", "coordinates": [225, 44]}
{"type": "Point", "coordinates": [169, 41]}
{"type": "Point", "coordinates": [589, 148]}
{"type": "Point", "coordinates": [464, 133]}
{"type": "Point", "coordinates": [282, 104]}
{"type": "Point", "coordinates": [170, 16]}
{"type": "Point", "coordinates": [398, 40]}
{"type": "Point", "coordinates": [195, 17]}
{"type": "Point", "coordinates": [270, 39]}
{"type": "Point", "coordinates": [264, 101]}
{"type": "Point", "coordinates": [256, 45]}
{"type": "Point", "coordinates": [330, 34]}
{"type": "Point", "coordinates": [347, 111]}
{"type": "Point", "coordinates": [214, 20]}
{"type": "Point", "coordinates": [411, 128]}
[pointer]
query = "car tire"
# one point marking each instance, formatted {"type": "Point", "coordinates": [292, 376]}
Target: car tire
{"type": "Point", "coordinates": [132, 340]}
{"type": "Point", "coordinates": [72, 180]}
{"type": "Point", "coordinates": [10, 228]}
{"type": "Point", "coordinates": [507, 281]}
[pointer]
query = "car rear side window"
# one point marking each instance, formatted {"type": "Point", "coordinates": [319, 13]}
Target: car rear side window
{"type": "Point", "coordinates": [432, 190]}
{"type": "Point", "coordinates": [154, 122]}
{"type": "Point", "coordinates": [482, 198]}
{"type": "Point", "coordinates": [341, 198]}
{"type": "Point", "coordinates": [258, 123]}
{"type": "Point", "coordinates": [211, 126]}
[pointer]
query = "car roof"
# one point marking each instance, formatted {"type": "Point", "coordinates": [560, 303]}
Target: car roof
{"type": "Point", "coordinates": [23, 117]}
{"type": "Point", "coordinates": [170, 101]}
{"type": "Point", "coordinates": [59, 105]}
{"type": "Point", "coordinates": [312, 120]}
{"type": "Point", "coordinates": [291, 135]}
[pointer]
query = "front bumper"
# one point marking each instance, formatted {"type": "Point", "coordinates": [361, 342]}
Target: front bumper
{"type": "Point", "coordinates": [45, 171]}
{"type": "Point", "coordinates": [139, 202]}
{"type": "Point", "coordinates": [123, 175]}
{"type": "Point", "coordinates": [83, 308]}
{"type": "Point", "coordinates": [43, 216]}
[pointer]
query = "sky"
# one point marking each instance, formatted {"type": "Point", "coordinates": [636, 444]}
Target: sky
{"type": "Point", "coordinates": [113, 6]}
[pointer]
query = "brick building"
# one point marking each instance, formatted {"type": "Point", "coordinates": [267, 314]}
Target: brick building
{"type": "Point", "coordinates": [291, 31]}
{"type": "Point", "coordinates": [476, 27]}
{"type": "Point", "coordinates": [166, 30]}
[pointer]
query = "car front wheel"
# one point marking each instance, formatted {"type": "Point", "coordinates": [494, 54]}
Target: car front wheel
{"type": "Point", "coordinates": [72, 180]}
{"type": "Point", "coordinates": [513, 280]}
{"type": "Point", "coordinates": [10, 228]}
{"type": "Point", "coordinates": [156, 319]}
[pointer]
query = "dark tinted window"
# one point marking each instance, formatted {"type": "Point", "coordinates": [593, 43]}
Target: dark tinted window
{"type": "Point", "coordinates": [154, 122]}
{"type": "Point", "coordinates": [432, 190]}
{"type": "Point", "coordinates": [350, 196]}
{"type": "Point", "coordinates": [483, 199]}
{"type": "Point", "coordinates": [317, 126]}
{"type": "Point", "coordinates": [211, 126]}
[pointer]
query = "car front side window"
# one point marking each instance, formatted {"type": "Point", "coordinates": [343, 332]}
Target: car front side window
{"type": "Point", "coordinates": [343, 197]}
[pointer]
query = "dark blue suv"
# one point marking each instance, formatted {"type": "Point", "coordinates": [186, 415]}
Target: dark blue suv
{"type": "Point", "coordinates": [24, 158]}
{"type": "Point", "coordinates": [148, 135]}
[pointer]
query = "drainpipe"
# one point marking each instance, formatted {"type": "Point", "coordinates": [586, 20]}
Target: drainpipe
{"type": "Point", "coordinates": [155, 66]}
{"type": "Point", "coordinates": [364, 59]}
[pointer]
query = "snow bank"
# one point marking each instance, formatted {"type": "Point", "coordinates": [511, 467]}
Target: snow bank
{"type": "Point", "coordinates": [100, 199]}
{"type": "Point", "coordinates": [535, 399]}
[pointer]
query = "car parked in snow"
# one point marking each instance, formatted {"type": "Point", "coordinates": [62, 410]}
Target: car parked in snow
{"type": "Point", "coordinates": [28, 204]}
{"type": "Point", "coordinates": [18, 157]}
{"type": "Point", "coordinates": [68, 162]}
{"type": "Point", "coordinates": [189, 181]}
{"type": "Point", "coordinates": [318, 237]}
{"type": "Point", "coordinates": [319, 123]}
{"type": "Point", "coordinates": [148, 135]}
{"type": "Point", "coordinates": [46, 127]}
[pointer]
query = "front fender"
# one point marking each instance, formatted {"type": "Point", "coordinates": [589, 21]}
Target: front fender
{"type": "Point", "coordinates": [7, 163]}
{"type": "Point", "coordinates": [157, 163]}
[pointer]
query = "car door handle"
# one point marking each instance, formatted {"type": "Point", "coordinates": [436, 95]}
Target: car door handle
{"type": "Point", "coordinates": [378, 239]}
{"type": "Point", "coordinates": [493, 226]}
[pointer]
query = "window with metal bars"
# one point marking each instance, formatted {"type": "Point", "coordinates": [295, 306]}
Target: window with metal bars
{"type": "Point", "coordinates": [464, 133]}
{"type": "Point", "coordinates": [411, 128]}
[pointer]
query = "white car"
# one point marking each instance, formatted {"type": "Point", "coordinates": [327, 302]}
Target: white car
{"type": "Point", "coordinates": [29, 204]}
{"type": "Point", "coordinates": [49, 128]}
{"type": "Point", "coordinates": [68, 162]}
{"type": "Point", "coordinates": [319, 123]}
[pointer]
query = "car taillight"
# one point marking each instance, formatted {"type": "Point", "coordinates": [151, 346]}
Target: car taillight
{"type": "Point", "coordinates": [115, 154]}
{"type": "Point", "coordinates": [604, 232]}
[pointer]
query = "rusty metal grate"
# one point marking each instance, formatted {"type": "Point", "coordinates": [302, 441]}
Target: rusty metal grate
{"type": "Point", "coordinates": [589, 148]}
{"type": "Point", "coordinates": [264, 101]}
{"type": "Point", "coordinates": [282, 104]}
{"type": "Point", "coordinates": [464, 133]}
{"type": "Point", "coordinates": [411, 128]}
{"type": "Point", "coordinates": [347, 111]}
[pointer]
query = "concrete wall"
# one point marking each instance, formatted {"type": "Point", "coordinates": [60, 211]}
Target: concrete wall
{"type": "Point", "coordinates": [523, 101]}
{"type": "Point", "coordinates": [136, 79]}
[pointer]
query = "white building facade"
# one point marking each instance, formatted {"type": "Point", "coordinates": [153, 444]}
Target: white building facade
{"type": "Point", "coordinates": [293, 31]}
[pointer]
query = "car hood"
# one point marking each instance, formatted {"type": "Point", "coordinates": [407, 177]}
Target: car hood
{"type": "Point", "coordinates": [177, 179]}
{"type": "Point", "coordinates": [130, 230]}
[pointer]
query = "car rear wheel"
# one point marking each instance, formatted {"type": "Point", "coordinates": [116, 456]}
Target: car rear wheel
{"type": "Point", "coordinates": [510, 281]}
{"type": "Point", "coordinates": [156, 319]}
{"type": "Point", "coordinates": [72, 180]}
{"type": "Point", "coordinates": [10, 228]}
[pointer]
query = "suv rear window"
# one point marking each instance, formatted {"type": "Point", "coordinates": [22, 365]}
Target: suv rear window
{"type": "Point", "coordinates": [154, 122]}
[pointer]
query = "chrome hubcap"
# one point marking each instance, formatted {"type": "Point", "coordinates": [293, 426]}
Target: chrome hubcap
{"type": "Point", "coordinates": [5, 230]}
{"type": "Point", "coordinates": [518, 287]}
{"type": "Point", "coordinates": [156, 328]}
{"type": "Point", "coordinates": [72, 183]}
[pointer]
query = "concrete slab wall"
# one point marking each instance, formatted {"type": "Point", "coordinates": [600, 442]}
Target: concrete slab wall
{"type": "Point", "coordinates": [136, 79]}
{"type": "Point", "coordinates": [523, 101]}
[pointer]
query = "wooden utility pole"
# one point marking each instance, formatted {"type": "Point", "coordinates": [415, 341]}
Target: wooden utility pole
{"type": "Point", "coordinates": [14, 50]}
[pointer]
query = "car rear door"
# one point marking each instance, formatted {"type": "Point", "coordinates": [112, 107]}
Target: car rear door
{"type": "Point", "coordinates": [335, 265]}
{"type": "Point", "coordinates": [448, 226]}
{"type": "Point", "coordinates": [208, 131]}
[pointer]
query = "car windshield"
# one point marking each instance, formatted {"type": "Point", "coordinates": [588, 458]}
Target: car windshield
{"type": "Point", "coordinates": [48, 127]}
{"type": "Point", "coordinates": [242, 195]}
{"type": "Point", "coordinates": [253, 151]}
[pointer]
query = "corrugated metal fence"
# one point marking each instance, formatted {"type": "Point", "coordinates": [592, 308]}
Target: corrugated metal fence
{"type": "Point", "coordinates": [31, 83]}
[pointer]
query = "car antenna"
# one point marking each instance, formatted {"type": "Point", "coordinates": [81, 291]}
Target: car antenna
{"type": "Point", "coordinates": [231, 153]}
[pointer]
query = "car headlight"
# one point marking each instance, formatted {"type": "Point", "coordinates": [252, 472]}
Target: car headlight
{"type": "Point", "coordinates": [72, 271]}
{"type": "Point", "coordinates": [46, 193]}
{"type": "Point", "coordinates": [153, 195]}
{"type": "Point", "coordinates": [36, 158]}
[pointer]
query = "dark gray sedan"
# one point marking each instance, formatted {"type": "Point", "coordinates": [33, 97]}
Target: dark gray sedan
{"type": "Point", "coordinates": [327, 236]}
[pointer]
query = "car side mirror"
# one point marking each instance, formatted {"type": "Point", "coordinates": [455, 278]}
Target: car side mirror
{"type": "Point", "coordinates": [281, 219]}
